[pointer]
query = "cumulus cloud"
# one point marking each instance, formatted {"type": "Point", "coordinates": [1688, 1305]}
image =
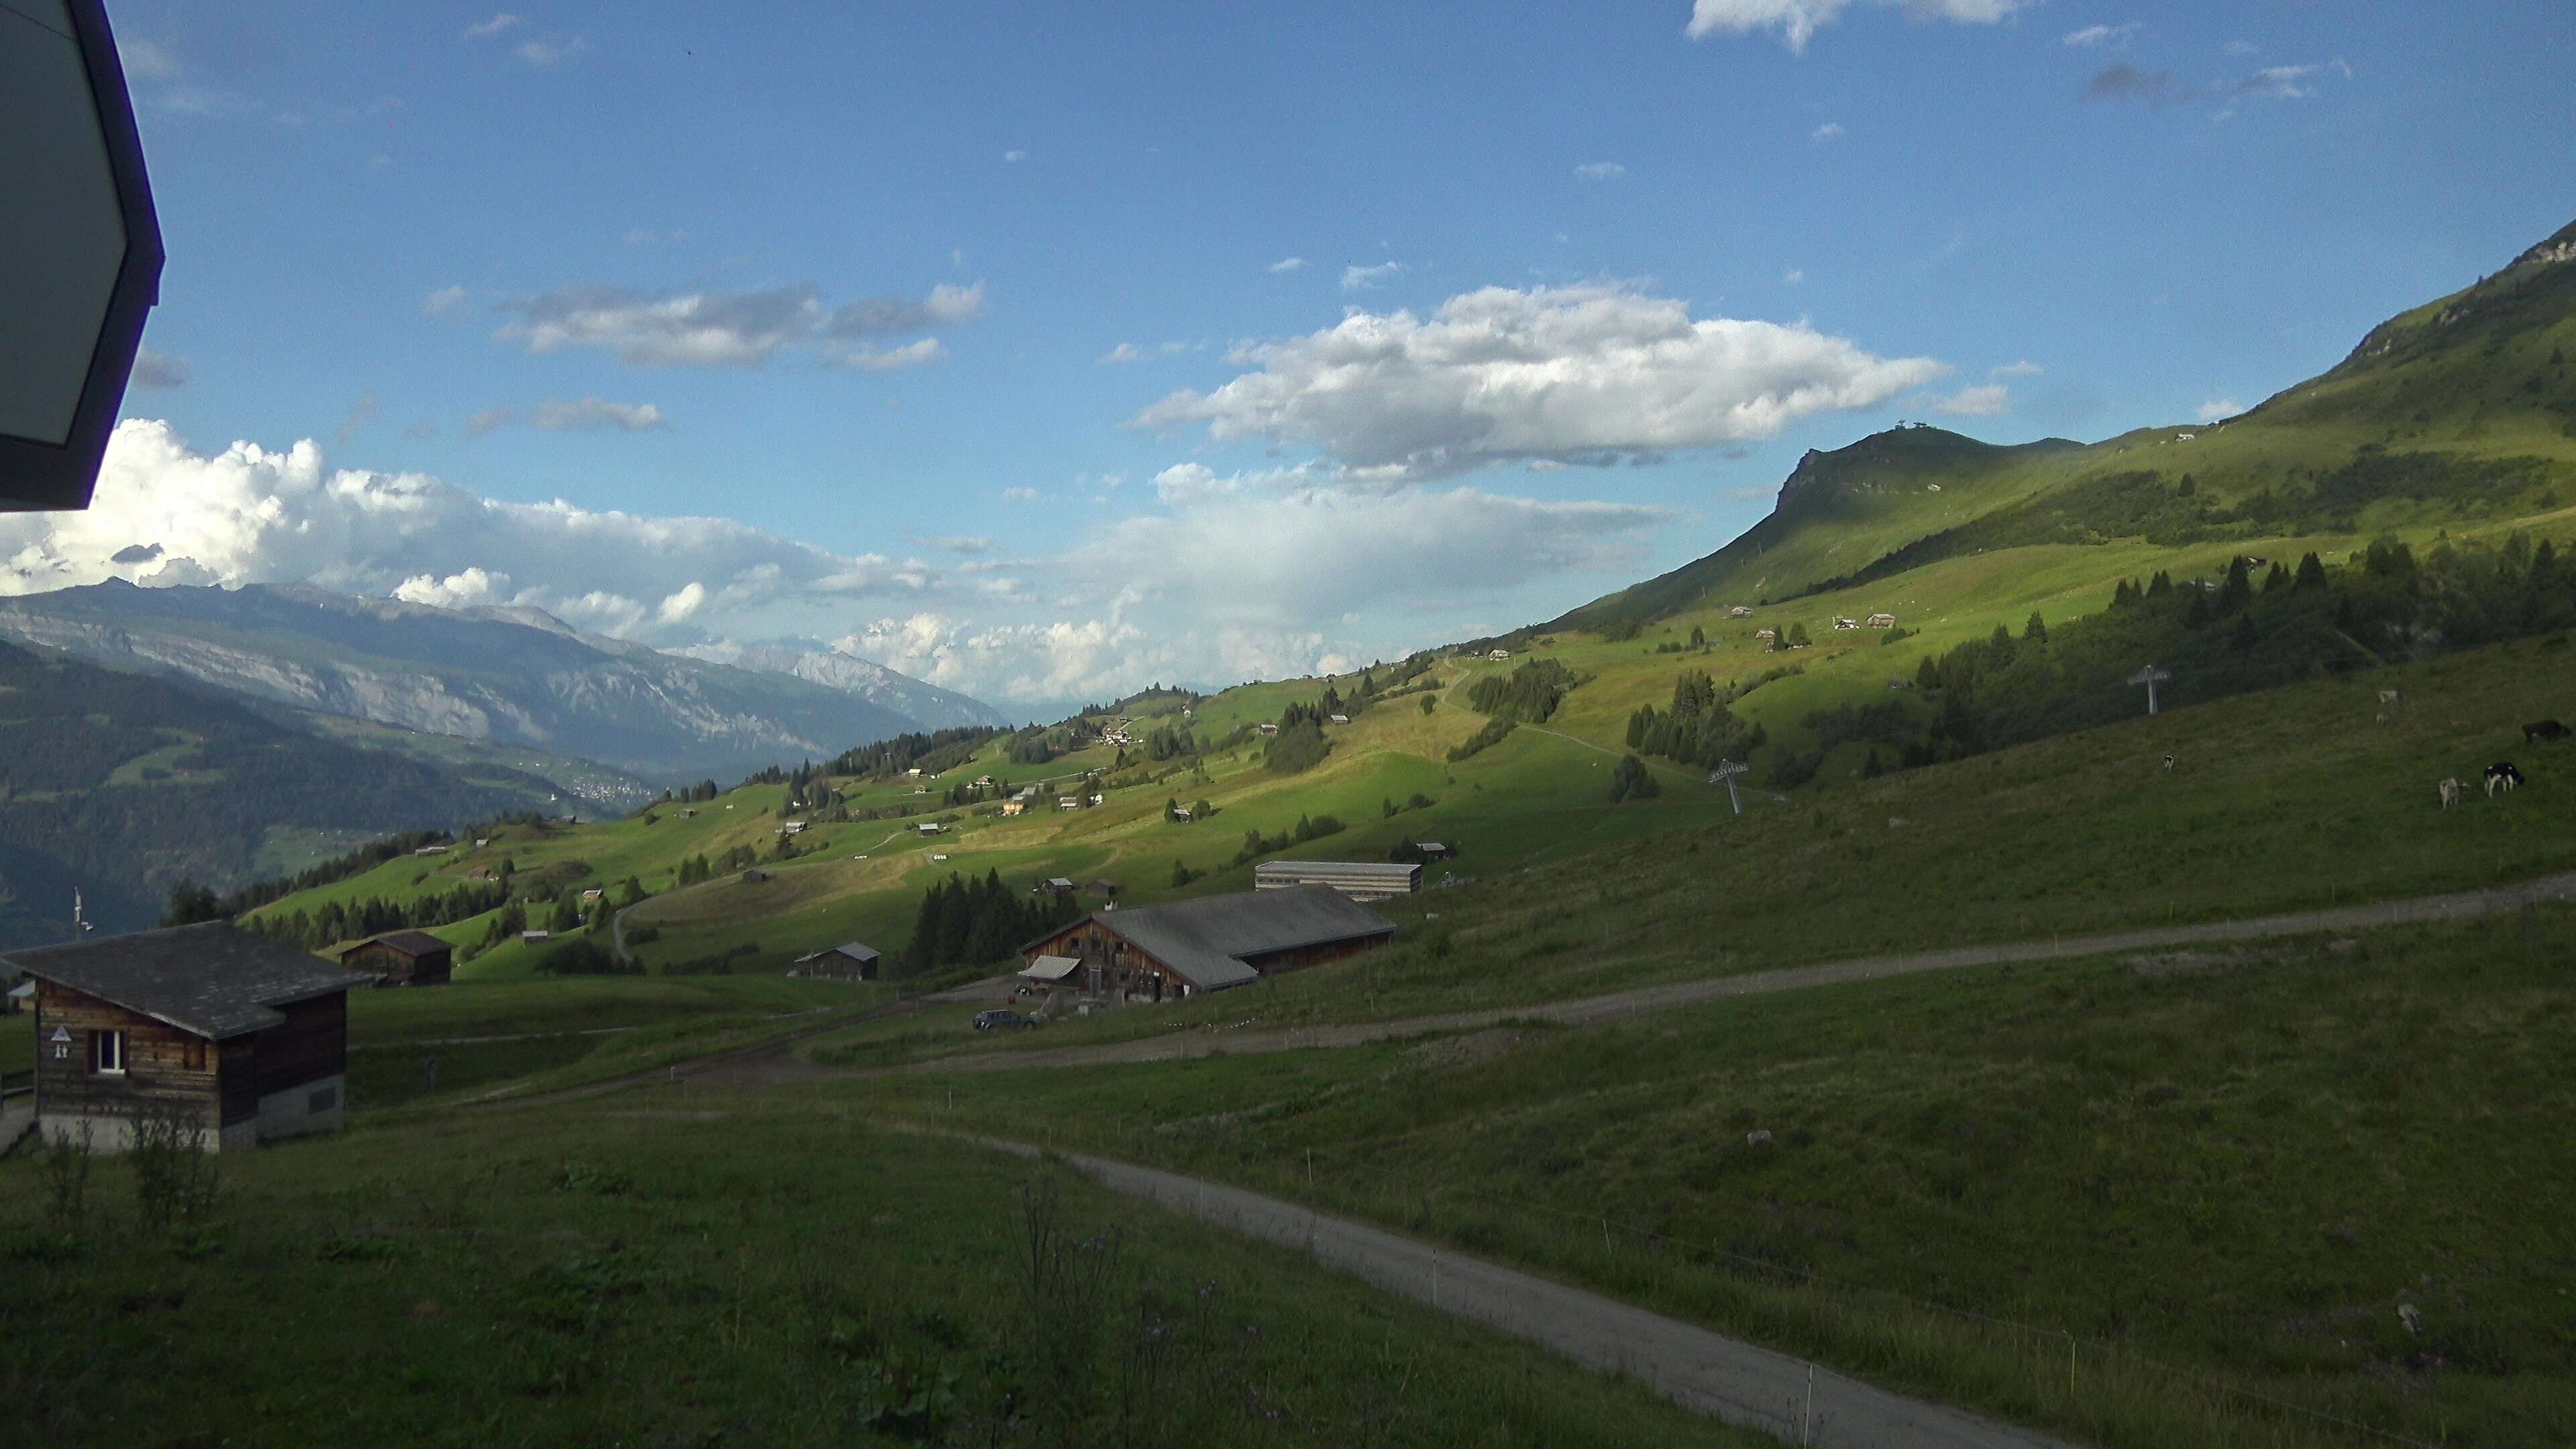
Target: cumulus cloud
{"type": "Point", "coordinates": [1588, 374]}
{"type": "Point", "coordinates": [733, 329]}
{"type": "Point", "coordinates": [2281, 82]}
{"type": "Point", "coordinates": [1354, 278]}
{"type": "Point", "coordinates": [249, 514]}
{"type": "Point", "coordinates": [445, 299]}
{"type": "Point", "coordinates": [1985, 401]}
{"type": "Point", "coordinates": [2102, 37]}
{"type": "Point", "coordinates": [1600, 171]}
{"type": "Point", "coordinates": [1829, 131]}
{"type": "Point", "coordinates": [2219, 408]}
{"type": "Point", "coordinates": [486, 29]}
{"type": "Point", "coordinates": [1797, 21]}
{"type": "Point", "coordinates": [889, 359]}
{"type": "Point", "coordinates": [1019, 495]}
{"type": "Point", "coordinates": [2023, 368]}
{"type": "Point", "coordinates": [1288, 264]}
{"type": "Point", "coordinates": [556, 415]}
{"type": "Point", "coordinates": [158, 369]}
{"type": "Point", "coordinates": [1123, 352]}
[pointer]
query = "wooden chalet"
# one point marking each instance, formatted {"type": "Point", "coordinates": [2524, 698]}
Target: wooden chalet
{"type": "Point", "coordinates": [848, 961]}
{"type": "Point", "coordinates": [1436, 850]}
{"type": "Point", "coordinates": [1102, 890]}
{"type": "Point", "coordinates": [1882, 621]}
{"type": "Point", "coordinates": [244, 1036]}
{"type": "Point", "coordinates": [1183, 948]}
{"type": "Point", "coordinates": [404, 958]}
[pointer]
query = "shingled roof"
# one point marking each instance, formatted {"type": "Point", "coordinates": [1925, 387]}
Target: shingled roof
{"type": "Point", "coordinates": [213, 980]}
{"type": "Point", "coordinates": [1206, 939]}
{"type": "Point", "coordinates": [411, 943]}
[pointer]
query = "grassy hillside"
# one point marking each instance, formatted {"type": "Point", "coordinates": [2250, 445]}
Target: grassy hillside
{"type": "Point", "coordinates": [730, 1270]}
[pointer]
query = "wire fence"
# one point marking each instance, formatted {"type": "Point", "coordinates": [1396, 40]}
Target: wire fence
{"type": "Point", "coordinates": [1147, 1140]}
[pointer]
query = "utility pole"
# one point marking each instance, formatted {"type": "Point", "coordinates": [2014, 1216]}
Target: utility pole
{"type": "Point", "coordinates": [2148, 677]}
{"type": "Point", "coordinates": [1727, 770]}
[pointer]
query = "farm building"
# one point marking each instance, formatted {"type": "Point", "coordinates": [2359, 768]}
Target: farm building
{"type": "Point", "coordinates": [531, 938]}
{"type": "Point", "coordinates": [404, 958]}
{"type": "Point", "coordinates": [754, 876]}
{"type": "Point", "coordinates": [1102, 890]}
{"type": "Point", "coordinates": [1361, 880]}
{"type": "Point", "coordinates": [244, 1037]}
{"type": "Point", "coordinates": [1267, 729]}
{"type": "Point", "coordinates": [1846, 625]}
{"type": "Point", "coordinates": [1882, 621]}
{"type": "Point", "coordinates": [1434, 850]}
{"type": "Point", "coordinates": [1740, 611]}
{"type": "Point", "coordinates": [928, 827]}
{"type": "Point", "coordinates": [1499, 655]}
{"type": "Point", "coordinates": [1341, 719]}
{"type": "Point", "coordinates": [1015, 807]}
{"type": "Point", "coordinates": [431, 850]}
{"type": "Point", "coordinates": [1057, 886]}
{"type": "Point", "coordinates": [1767, 636]}
{"type": "Point", "coordinates": [1182, 814]}
{"type": "Point", "coordinates": [848, 961]}
{"type": "Point", "coordinates": [1182, 948]}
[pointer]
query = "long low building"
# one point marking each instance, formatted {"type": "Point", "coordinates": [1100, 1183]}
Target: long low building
{"type": "Point", "coordinates": [1183, 948]}
{"type": "Point", "coordinates": [1361, 880]}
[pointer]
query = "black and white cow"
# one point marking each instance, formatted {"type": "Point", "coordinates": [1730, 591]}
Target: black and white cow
{"type": "Point", "coordinates": [2502, 776]}
{"type": "Point", "coordinates": [2542, 730]}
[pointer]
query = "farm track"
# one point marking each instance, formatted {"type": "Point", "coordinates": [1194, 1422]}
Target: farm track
{"type": "Point", "coordinates": [1705, 1372]}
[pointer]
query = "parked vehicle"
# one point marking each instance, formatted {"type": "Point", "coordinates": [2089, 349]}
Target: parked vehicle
{"type": "Point", "coordinates": [1002, 1019]}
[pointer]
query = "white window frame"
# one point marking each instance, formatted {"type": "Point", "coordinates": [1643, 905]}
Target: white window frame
{"type": "Point", "coordinates": [104, 1045]}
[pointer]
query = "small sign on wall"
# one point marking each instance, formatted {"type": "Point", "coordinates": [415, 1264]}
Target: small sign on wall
{"type": "Point", "coordinates": [62, 1044]}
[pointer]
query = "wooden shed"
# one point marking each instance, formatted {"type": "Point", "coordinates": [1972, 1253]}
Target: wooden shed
{"type": "Point", "coordinates": [848, 961]}
{"type": "Point", "coordinates": [1183, 948]}
{"type": "Point", "coordinates": [405, 958]}
{"type": "Point", "coordinates": [224, 1028]}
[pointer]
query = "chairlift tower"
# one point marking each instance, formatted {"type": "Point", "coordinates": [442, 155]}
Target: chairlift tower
{"type": "Point", "coordinates": [1727, 770]}
{"type": "Point", "coordinates": [2148, 677]}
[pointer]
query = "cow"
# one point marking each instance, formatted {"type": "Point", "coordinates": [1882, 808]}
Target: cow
{"type": "Point", "coordinates": [2451, 789]}
{"type": "Point", "coordinates": [2543, 730]}
{"type": "Point", "coordinates": [2502, 776]}
{"type": "Point", "coordinates": [2389, 696]}
{"type": "Point", "coordinates": [2169, 760]}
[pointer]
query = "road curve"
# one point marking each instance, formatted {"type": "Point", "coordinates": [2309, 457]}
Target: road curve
{"type": "Point", "coordinates": [1587, 1010]}
{"type": "Point", "coordinates": [1706, 1372]}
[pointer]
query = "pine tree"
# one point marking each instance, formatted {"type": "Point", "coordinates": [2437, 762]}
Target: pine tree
{"type": "Point", "coordinates": [2160, 585]}
{"type": "Point", "coordinates": [2036, 631]}
{"type": "Point", "coordinates": [2311, 574]}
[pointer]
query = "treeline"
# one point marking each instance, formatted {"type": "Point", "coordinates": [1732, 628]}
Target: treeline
{"type": "Point", "coordinates": [335, 921]}
{"type": "Point", "coordinates": [1699, 729]}
{"type": "Point", "coordinates": [1257, 845]}
{"type": "Point", "coordinates": [962, 922]}
{"type": "Point", "coordinates": [1528, 694]}
{"type": "Point", "coordinates": [934, 753]}
{"type": "Point", "coordinates": [1496, 730]}
{"type": "Point", "coordinates": [698, 869]}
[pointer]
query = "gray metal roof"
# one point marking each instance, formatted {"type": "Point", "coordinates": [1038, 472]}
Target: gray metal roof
{"type": "Point", "coordinates": [410, 943]}
{"type": "Point", "coordinates": [1052, 968]}
{"type": "Point", "coordinates": [1350, 869]}
{"type": "Point", "coordinates": [855, 950]}
{"type": "Point", "coordinates": [1204, 939]}
{"type": "Point", "coordinates": [214, 980]}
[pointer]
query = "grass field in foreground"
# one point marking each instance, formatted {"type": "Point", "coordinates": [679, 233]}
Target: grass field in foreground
{"type": "Point", "coordinates": [2284, 800]}
{"type": "Point", "coordinates": [720, 1270]}
{"type": "Point", "coordinates": [2241, 1162]}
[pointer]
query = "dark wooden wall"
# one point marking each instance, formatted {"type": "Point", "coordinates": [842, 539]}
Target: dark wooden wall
{"type": "Point", "coordinates": [397, 968]}
{"type": "Point", "coordinates": [311, 1044]}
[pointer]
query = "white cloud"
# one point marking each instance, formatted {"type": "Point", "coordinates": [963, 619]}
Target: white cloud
{"type": "Point", "coordinates": [2281, 82]}
{"type": "Point", "coordinates": [1123, 352]}
{"type": "Point", "coordinates": [1288, 264]}
{"type": "Point", "coordinates": [2102, 37]}
{"type": "Point", "coordinates": [1600, 171]}
{"type": "Point", "coordinates": [1015, 156]}
{"type": "Point", "coordinates": [1587, 374]}
{"type": "Point", "coordinates": [911, 354]}
{"type": "Point", "coordinates": [1794, 275]}
{"type": "Point", "coordinates": [556, 415]}
{"type": "Point", "coordinates": [1987, 400]}
{"type": "Point", "coordinates": [549, 52]}
{"type": "Point", "coordinates": [2023, 368]}
{"type": "Point", "coordinates": [477, 424]}
{"type": "Point", "coordinates": [1797, 21]}
{"type": "Point", "coordinates": [1829, 131]}
{"type": "Point", "coordinates": [963, 543]}
{"type": "Point", "coordinates": [2219, 408]}
{"type": "Point", "coordinates": [157, 370]}
{"type": "Point", "coordinates": [252, 515]}
{"type": "Point", "coordinates": [445, 299]}
{"type": "Point", "coordinates": [734, 329]}
{"type": "Point", "coordinates": [485, 29]}
{"type": "Point", "coordinates": [1356, 277]}
{"type": "Point", "coordinates": [1019, 495]}
{"type": "Point", "coordinates": [145, 58]}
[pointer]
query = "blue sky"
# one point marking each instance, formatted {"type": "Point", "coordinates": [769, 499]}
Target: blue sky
{"type": "Point", "coordinates": [1046, 354]}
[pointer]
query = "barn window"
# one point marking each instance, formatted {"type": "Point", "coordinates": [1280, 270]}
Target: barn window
{"type": "Point", "coordinates": [193, 1055]}
{"type": "Point", "coordinates": [107, 1052]}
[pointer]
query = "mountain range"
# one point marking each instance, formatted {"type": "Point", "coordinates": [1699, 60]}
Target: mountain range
{"type": "Point", "coordinates": [509, 676]}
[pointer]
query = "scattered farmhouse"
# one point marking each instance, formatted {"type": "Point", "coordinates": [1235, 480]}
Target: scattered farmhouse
{"type": "Point", "coordinates": [532, 938]}
{"type": "Point", "coordinates": [1341, 719]}
{"type": "Point", "coordinates": [1740, 611]}
{"type": "Point", "coordinates": [928, 827]}
{"type": "Point", "coordinates": [754, 876]}
{"type": "Point", "coordinates": [1499, 655]}
{"type": "Point", "coordinates": [848, 961]}
{"type": "Point", "coordinates": [403, 958]}
{"type": "Point", "coordinates": [1434, 850]}
{"type": "Point", "coordinates": [1882, 621]}
{"type": "Point", "coordinates": [1182, 948]}
{"type": "Point", "coordinates": [1102, 890]}
{"type": "Point", "coordinates": [1015, 807]}
{"type": "Point", "coordinates": [1767, 636]}
{"type": "Point", "coordinates": [1846, 625]}
{"type": "Point", "coordinates": [242, 1036]}
{"type": "Point", "coordinates": [431, 850]}
{"type": "Point", "coordinates": [1361, 880]}
{"type": "Point", "coordinates": [1267, 729]}
{"type": "Point", "coordinates": [1057, 886]}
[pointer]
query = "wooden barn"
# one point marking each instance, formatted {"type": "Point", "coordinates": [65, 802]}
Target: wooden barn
{"type": "Point", "coordinates": [239, 1034]}
{"type": "Point", "coordinates": [1183, 948]}
{"type": "Point", "coordinates": [1361, 880]}
{"type": "Point", "coordinates": [405, 958]}
{"type": "Point", "coordinates": [848, 961]}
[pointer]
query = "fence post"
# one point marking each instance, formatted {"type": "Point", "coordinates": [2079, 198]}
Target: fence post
{"type": "Point", "coordinates": [1807, 1421]}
